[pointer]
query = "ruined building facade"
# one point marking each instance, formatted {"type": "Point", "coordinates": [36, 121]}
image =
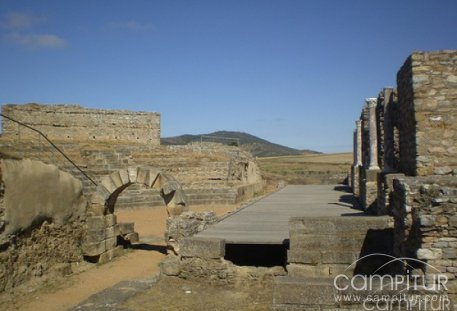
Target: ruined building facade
{"type": "Point", "coordinates": [110, 160]}
{"type": "Point", "coordinates": [405, 160]}
{"type": "Point", "coordinates": [75, 124]}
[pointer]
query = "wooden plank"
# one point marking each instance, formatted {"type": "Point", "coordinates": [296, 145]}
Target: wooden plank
{"type": "Point", "coordinates": [266, 221]}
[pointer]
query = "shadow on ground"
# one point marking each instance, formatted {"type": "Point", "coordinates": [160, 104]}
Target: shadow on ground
{"type": "Point", "coordinates": [149, 247]}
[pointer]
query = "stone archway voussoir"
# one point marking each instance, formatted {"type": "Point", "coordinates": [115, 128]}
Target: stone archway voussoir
{"type": "Point", "coordinates": [100, 195]}
{"type": "Point", "coordinates": [117, 179]}
{"type": "Point", "coordinates": [124, 174]}
{"type": "Point", "coordinates": [133, 173]}
{"type": "Point", "coordinates": [143, 173]}
{"type": "Point", "coordinates": [108, 183]}
{"type": "Point", "coordinates": [151, 177]}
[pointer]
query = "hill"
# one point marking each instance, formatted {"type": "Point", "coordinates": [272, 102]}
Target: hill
{"type": "Point", "coordinates": [257, 146]}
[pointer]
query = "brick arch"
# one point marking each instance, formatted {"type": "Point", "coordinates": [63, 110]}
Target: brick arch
{"type": "Point", "coordinates": [112, 185]}
{"type": "Point", "coordinates": [100, 238]}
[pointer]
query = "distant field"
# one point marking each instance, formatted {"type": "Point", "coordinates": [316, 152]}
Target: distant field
{"type": "Point", "coordinates": [307, 169]}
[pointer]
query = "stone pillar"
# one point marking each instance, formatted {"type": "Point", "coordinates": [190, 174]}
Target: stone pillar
{"type": "Point", "coordinates": [389, 152]}
{"type": "Point", "coordinates": [369, 181]}
{"type": "Point", "coordinates": [354, 146]}
{"type": "Point", "coordinates": [371, 103]}
{"type": "Point", "coordinates": [355, 178]}
{"type": "Point", "coordinates": [358, 142]}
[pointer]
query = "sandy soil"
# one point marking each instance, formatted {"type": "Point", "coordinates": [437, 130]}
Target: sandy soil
{"type": "Point", "coordinates": [139, 263]}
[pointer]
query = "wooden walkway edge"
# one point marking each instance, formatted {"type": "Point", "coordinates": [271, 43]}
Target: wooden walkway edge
{"type": "Point", "coordinates": [267, 220]}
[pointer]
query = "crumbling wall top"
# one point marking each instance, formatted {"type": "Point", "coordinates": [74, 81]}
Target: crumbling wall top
{"type": "Point", "coordinates": [73, 123]}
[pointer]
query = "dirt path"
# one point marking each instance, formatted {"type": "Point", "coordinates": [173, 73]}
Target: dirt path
{"type": "Point", "coordinates": [136, 264]}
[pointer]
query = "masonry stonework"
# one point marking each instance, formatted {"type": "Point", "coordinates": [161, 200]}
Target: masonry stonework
{"type": "Point", "coordinates": [417, 152]}
{"type": "Point", "coordinates": [416, 127]}
{"type": "Point", "coordinates": [427, 97]}
{"type": "Point", "coordinates": [407, 176]}
{"type": "Point", "coordinates": [425, 212]}
{"type": "Point", "coordinates": [73, 123]}
{"type": "Point", "coordinates": [42, 221]}
{"type": "Point", "coordinates": [121, 165]}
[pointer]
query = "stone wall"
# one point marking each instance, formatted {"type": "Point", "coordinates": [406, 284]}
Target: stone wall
{"type": "Point", "coordinates": [427, 99]}
{"type": "Point", "coordinates": [321, 250]}
{"type": "Point", "coordinates": [328, 246]}
{"type": "Point", "coordinates": [204, 259]}
{"type": "Point", "coordinates": [73, 123]}
{"type": "Point", "coordinates": [41, 221]}
{"type": "Point", "coordinates": [415, 128]}
{"type": "Point", "coordinates": [416, 132]}
{"type": "Point", "coordinates": [209, 173]}
{"type": "Point", "coordinates": [425, 211]}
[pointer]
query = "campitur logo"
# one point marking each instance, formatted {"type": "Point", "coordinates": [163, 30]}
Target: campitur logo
{"type": "Point", "coordinates": [388, 292]}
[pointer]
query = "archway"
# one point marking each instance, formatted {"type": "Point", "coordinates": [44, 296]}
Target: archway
{"type": "Point", "coordinates": [102, 228]}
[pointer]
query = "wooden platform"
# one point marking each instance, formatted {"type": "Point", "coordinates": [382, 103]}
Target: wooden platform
{"type": "Point", "coordinates": [266, 221]}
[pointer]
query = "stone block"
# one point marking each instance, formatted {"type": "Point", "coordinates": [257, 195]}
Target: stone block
{"type": "Point", "coordinates": [96, 210]}
{"type": "Point", "coordinates": [429, 253]}
{"type": "Point", "coordinates": [102, 193]}
{"type": "Point", "coordinates": [442, 170]}
{"type": "Point", "coordinates": [171, 266]}
{"type": "Point", "coordinates": [296, 270]}
{"type": "Point", "coordinates": [117, 231]}
{"type": "Point", "coordinates": [95, 222]}
{"type": "Point", "coordinates": [93, 249]}
{"type": "Point", "coordinates": [332, 257]}
{"type": "Point", "coordinates": [304, 291]}
{"type": "Point", "coordinates": [108, 183]}
{"type": "Point", "coordinates": [109, 232]}
{"type": "Point", "coordinates": [447, 239]}
{"type": "Point", "coordinates": [202, 248]}
{"type": "Point", "coordinates": [449, 253]}
{"type": "Point", "coordinates": [110, 243]}
{"type": "Point", "coordinates": [124, 175]}
{"type": "Point", "coordinates": [427, 220]}
{"type": "Point", "coordinates": [372, 175]}
{"type": "Point", "coordinates": [314, 241]}
{"type": "Point", "coordinates": [452, 286]}
{"type": "Point", "coordinates": [341, 226]}
{"type": "Point", "coordinates": [132, 237]}
{"type": "Point", "coordinates": [355, 178]}
{"type": "Point", "coordinates": [133, 173]}
{"type": "Point", "coordinates": [100, 196]}
{"type": "Point", "coordinates": [151, 177]}
{"type": "Point", "coordinates": [116, 179]}
{"type": "Point", "coordinates": [453, 221]}
{"type": "Point", "coordinates": [126, 227]}
{"type": "Point", "coordinates": [110, 220]}
{"type": "Point", "coordinates": [111, 254]}
{"type": "Point", "coordinates": [95, 236]}
{"type": "Point", "coordinates": [304, 256]}
{"type": "Point", "coordinates": [143, 172]}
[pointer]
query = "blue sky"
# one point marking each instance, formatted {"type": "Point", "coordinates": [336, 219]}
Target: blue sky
{"type": "Point", "coordinates": [293, 72]}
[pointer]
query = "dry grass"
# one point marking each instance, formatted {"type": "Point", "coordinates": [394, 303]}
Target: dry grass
{"type": "Point", "coordinates": [306, 169]}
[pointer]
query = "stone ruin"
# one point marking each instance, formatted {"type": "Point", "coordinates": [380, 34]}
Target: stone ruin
{"type": "Point", "coordinates": [405, 163]}
{"type": "Point", "coordinates": [405, 178]}
{"type": "Point", "coordinates": [65, 170]}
